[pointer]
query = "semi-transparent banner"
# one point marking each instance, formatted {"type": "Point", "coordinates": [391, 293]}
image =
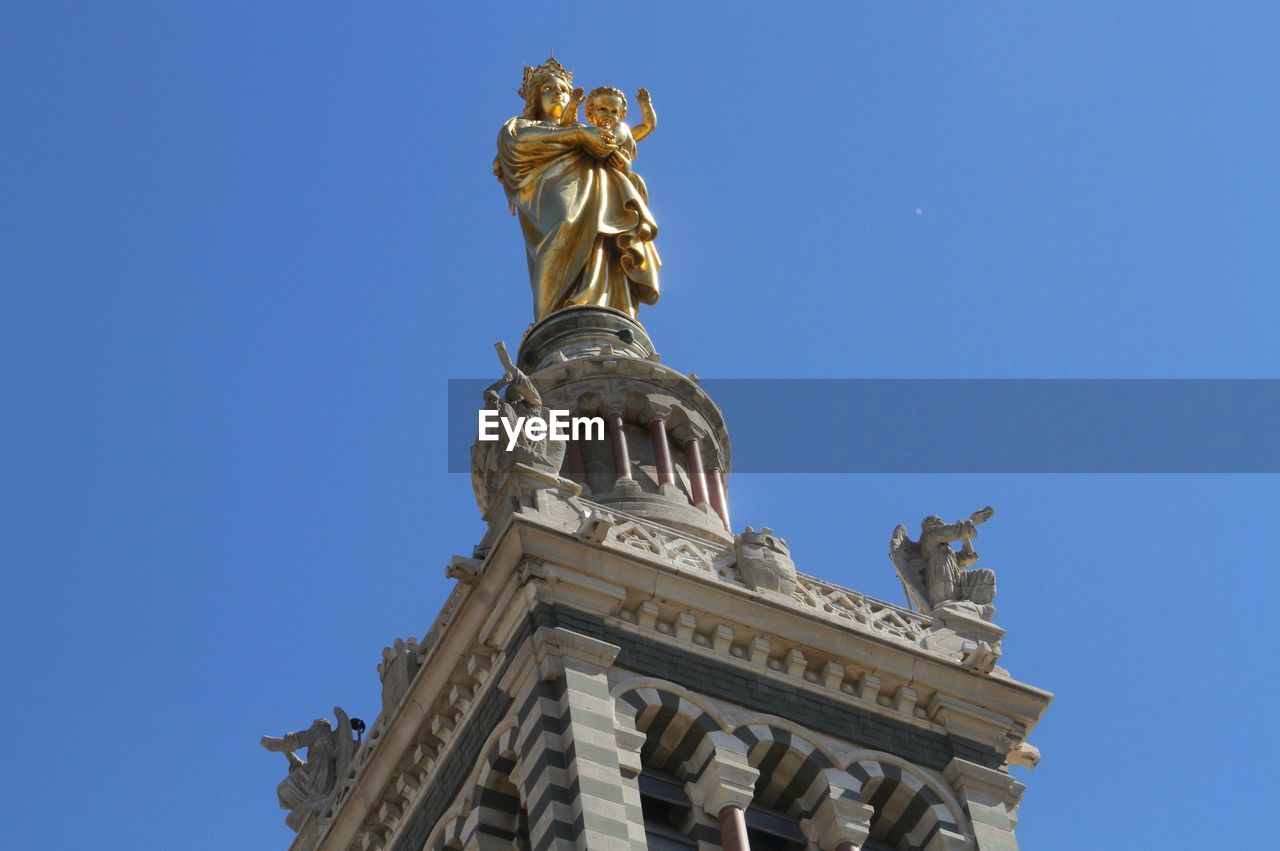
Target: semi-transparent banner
{"type": "Point", "coordinates": [975, 426]}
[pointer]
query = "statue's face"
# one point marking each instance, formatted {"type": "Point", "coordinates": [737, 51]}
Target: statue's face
{"type": "Point", "coordinates": [606, 111]}
{"type": "Point", "coordinates": [553, 96]}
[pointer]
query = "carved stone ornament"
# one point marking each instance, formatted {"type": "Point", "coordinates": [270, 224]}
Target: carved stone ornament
{"type": "Point", "coordinates": [764, 561]}
{"type": "Point", "coordinates": [491, 461]}
{"type": "Point", "coordinates": [400, 664]}
{"type": "Point", "coordinates": [934, 573]}
{"type": "Point", "coordinates": [307, 786]}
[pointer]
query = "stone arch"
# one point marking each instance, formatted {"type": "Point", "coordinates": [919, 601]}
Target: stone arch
{"type": "Point", "coordinates": [496, 817]}
{"type": "Point", "coordinates": [911, 809]}
{"type": "Point", "coordinates": [676, 736]}
{"type": "Point", "coordinates": [680, 734]}
{"type": "Point", "coordinates": [796, 775]}
{"type": "Point", "coordinates": [448, 833]}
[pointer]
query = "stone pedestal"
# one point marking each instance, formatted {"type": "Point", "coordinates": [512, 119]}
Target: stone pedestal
{"type": "Point", "coordinates": [664, 440]}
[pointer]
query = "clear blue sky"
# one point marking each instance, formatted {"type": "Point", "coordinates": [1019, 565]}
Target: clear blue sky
{"type": "Point", "coordinates": [243, 246]}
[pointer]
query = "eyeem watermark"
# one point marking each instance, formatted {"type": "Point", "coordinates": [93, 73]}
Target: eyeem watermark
{"type": "Point", "coordinates": [557, 425]}
{"type": "Point", "coordinates": [1183, 426]}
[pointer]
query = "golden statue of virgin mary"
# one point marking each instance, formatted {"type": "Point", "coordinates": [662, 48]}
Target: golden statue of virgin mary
{"type": "Point", "coordinates": [588, 232]}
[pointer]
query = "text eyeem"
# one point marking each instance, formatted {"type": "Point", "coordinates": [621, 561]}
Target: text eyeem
{"type": "Point", "coordinates": [557, 425]}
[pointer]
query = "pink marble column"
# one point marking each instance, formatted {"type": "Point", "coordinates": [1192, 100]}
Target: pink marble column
{"type": "Point", "coordinates": [662, 452]}
{"type": "Point", "coordinates": [697, 478]}
{"type": "Point", "coordinates": [718, 503]}
{"type": "Point", "coordinates": [733, 829]}
{"type": "Point", "coordinates": [621, 458]}
{"type": "Point", "coordinates": [848, 846]}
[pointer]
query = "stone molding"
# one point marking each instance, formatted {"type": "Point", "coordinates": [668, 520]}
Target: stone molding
{"type": "Point", "coordinates": [636, 577]}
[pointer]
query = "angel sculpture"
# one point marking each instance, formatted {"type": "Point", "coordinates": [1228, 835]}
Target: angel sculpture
{"type": "Point", "coordinates": [934, 573]}
{"type": "Point", "coordinates": [489, 460]}
{"type": "Point", "coordinates": [308, 784]}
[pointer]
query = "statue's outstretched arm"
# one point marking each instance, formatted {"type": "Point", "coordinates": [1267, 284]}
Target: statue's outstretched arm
{"type": "Point", "coordinates": [960, 530]}
{"type": "Point", "coordinates": [293, 741]}
{"type": "Point", "coordinates": [569, 117]}
{"type": "Point", "coordinates": [594, 140]}
{"type": "Point", "coordinates": [649, 121]}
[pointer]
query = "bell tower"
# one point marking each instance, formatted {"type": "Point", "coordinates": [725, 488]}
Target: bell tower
{"type": "Point", "coordinates": [619, 667]}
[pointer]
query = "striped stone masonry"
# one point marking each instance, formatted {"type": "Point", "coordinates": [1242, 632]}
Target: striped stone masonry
{"type": "Point", "coordinates": [596, 680]}
{"type": "Point", "coordinates": [569, 765]}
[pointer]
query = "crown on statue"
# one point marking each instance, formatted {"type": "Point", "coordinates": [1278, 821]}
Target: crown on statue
{"type": "Point", "coordinates": [534, 76]}
{"type": "Point", "coordinates": [764, 538]}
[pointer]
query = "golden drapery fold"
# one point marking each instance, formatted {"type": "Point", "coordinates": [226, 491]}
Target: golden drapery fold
{"type": "Point", "coordinates": [588, 232]}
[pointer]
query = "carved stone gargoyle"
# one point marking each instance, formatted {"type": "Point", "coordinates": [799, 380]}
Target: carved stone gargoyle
{"type": "Point", "coordinates": [764, 561]}
{"type": "Point", "coordinates": [935, 574]}
{"type": "Point", "coordinates": [307, 786]}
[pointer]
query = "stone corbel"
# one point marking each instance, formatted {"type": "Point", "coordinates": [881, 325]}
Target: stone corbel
{"type": "Point", "coordinates": [958, 632]}
{"type": "Point", "coordinates": [463, 569]}
{"type": "Point", "coordinates": [630, 743]}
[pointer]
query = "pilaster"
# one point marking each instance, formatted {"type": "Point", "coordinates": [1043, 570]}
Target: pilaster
{"type": "Point", "coordinates": [569, 770]}
{"type": "Point", "coordinates": [991, 798]}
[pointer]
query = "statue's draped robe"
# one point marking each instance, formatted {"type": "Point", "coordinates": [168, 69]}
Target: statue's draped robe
{"type": "Point", "coordinates": [945, 578]}
{"type": "Point", "coordinates": [588, 232]}
{"type": "Point", "coordinates": [313, 780]}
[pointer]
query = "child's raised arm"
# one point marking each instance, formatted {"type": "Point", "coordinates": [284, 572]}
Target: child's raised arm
{"type": "Point", "coordinates": [645, 127]}
{"type": "Point", "coordinates": [569, 117]}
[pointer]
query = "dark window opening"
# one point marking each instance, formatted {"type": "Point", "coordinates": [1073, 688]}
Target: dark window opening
{"type": "Point", "coordinates": [769, 830]}
{"type": "Point", "coordinates": [666, 812]}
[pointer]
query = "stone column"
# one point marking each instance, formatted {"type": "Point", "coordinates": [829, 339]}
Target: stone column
{"type": "Point", "coordinates": [991, 798]}
{"type": "Point", "coordinates": [569, 774]}
{"type": "Point", "coordinates": [715, 485]}
{"type": "Point", "coordinates": [662, 452]}
{"type": "Point", "coordinates": [697, 479]}
{"type": "Point", "coordinates": [621, 457]}
{"type": "Point", "coordinates": [724, 790]}
{"type": "Point", "coordinates": [733, 829]}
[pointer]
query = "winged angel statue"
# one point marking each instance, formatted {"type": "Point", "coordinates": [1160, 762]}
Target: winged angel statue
{"type": "Point", "coordinates": [308, 784]}
{"type": "Point", "coordinates": [934, 573]}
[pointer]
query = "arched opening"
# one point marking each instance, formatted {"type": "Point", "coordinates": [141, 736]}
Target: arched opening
{"type": "Point", "coordinates": [499, 819]}
{"type": "Point", "coordinates": [677, 744]}
{"type": "Point", "coordinates": [908, 814]}
{"type": "Point", "coordinates": [792, 781]}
